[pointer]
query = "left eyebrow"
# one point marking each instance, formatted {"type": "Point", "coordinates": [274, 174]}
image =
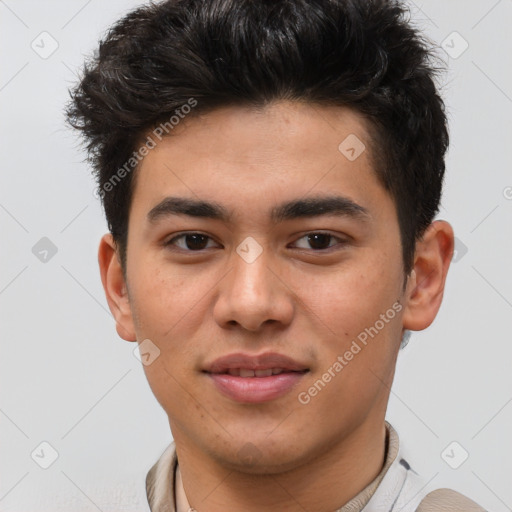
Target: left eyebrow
{"type": "Point", "coordinates": [299, 208]}
{"type": "Point", "coordinates": [318, 206]}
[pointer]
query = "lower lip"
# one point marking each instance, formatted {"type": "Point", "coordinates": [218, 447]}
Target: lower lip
{"type": "Point", "coordinates": [256, 389]}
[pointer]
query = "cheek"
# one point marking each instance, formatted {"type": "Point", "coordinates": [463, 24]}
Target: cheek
{"type": "Point", "coordinates": [344, 302]}
{"type": "Point", "coordinates": [163, 297]}
{"type": "Point", "coordinates": [358, 352]}
{"type": "Point", "coordinates": [168, 385]}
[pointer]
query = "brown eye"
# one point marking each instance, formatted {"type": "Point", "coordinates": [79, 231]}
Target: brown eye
{"type": "Point", "coordinates": [191, 242]}
{"type": "Point", "coordinates": [320, 241]}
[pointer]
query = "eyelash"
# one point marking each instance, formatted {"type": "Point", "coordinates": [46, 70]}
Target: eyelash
{"type": "Point", "coordinates": [169, 244]}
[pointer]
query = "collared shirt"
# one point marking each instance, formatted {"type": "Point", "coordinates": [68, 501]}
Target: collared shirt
{"type": "Point", "coordinates": [396, 488]}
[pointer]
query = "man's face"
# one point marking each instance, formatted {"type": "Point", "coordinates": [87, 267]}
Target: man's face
{"type": "Point", "coordinates": [304, 285]}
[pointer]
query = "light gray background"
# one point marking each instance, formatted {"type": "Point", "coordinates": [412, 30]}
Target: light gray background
{"type": "Point", "coordinates": [69, 380]}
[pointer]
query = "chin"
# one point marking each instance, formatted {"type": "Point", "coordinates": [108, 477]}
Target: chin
{"type": "Point", "coordinates": [265, 465]}
{"type": "Point", "coordinates": [263, 457]}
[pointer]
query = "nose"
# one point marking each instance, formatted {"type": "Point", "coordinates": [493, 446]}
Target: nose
{"type": "Point", "coordinates": [253, 295]}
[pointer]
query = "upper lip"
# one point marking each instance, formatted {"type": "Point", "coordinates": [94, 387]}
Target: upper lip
{"type": "Point", "coordinates": [254, 362]}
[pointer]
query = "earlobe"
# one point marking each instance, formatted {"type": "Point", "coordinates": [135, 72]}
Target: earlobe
{"type": "Point", "coordinates": [115, 288]}
{"type": "Point", "coordinates": [425, 287]}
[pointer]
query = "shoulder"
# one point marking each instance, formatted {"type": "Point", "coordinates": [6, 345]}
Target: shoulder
{"type": "Point", "coordinates": [446, 500]}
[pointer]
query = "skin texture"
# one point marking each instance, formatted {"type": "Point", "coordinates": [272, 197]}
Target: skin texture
{"type": "Point", "coordinates": [294, 299]}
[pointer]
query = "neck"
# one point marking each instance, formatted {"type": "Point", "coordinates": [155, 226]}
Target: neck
{"type": "Point", "coordinates": [335, 475]}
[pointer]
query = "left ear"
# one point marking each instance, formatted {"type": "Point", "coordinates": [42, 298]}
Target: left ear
{"type": "Point", "coordinates": [425, 287]}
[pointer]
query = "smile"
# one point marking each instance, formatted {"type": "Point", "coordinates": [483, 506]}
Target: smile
{"type": "Point", "coordinates": [246, 372]}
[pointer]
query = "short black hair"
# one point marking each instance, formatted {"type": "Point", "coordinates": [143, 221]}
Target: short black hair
{"type": "Point", "coordinates": [361, 54]}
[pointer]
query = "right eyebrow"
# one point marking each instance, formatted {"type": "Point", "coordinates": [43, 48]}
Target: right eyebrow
{"type": "Point", "coordinates": [185, 206]}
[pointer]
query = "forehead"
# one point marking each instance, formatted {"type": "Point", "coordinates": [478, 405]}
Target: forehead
{"type": "Point", "coordinates": [251, 156]}
{"type": "Point", "coordinates": [304, 127]}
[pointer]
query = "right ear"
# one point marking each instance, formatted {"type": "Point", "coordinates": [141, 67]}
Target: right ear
{"type": "Point", "coordinates": [115, 288]}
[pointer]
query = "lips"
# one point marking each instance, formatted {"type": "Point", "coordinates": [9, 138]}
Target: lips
{"type": "Point", "coordinates": [252, 379]}
{"type": "Point", "coordinates": [245, 372]}
{"type": "Point", "coordinates": [268, 361]}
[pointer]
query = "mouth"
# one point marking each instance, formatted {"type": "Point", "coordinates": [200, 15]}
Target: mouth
{"type": "Point", "coordinates": [254, 379]}
{"type": "Point", "coordinates": [247, 372]}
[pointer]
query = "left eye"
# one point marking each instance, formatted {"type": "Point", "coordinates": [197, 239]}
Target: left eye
{"type": "Point", "coordinates": [319, 241]}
